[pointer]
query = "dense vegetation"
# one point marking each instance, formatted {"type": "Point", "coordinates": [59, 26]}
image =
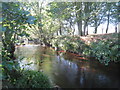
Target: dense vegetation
{"type": "Point", "coordinates": [57, 24]}
{"type": "Point", "coordinates": [27, 79]}
{"type": "Point", "coordinates": [14, 21]}
{"type": "Point", "coordinates": [105, 50]}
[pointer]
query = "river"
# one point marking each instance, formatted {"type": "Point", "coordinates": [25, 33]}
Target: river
{"type": "Point", "coordinates": [67, 71]}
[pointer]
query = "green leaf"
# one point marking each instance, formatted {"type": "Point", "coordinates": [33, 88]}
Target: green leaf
{"type": "Point", "coordinates": [3, 28]}
{"type": "Point", "coordinates": [31, 19]}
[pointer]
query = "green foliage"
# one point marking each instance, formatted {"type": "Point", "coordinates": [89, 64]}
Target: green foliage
{"type": "Point", "coordinates": [15, 21]}
{"type": "Point", "coordinates": [104, 51]}
{"type": "Point", "coordinates": [10, 69]}
{"type": "Point", "coordinates": [69, 43]}
{"type": "Point", "coordinates": [28, 79]}
{"type": "Point", "coordinates": [33, 79]}
{"type": "Point", "coordinates": [15, 18]}
{"type": "Point", "coordinates": [15, 77]}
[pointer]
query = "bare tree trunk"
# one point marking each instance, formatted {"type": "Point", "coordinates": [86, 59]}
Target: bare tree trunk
{"type": "Point", "coordinates": [73, 31]}
{"type": "Point", "coordinates": [78, 16]}
{"type": "Point", "coordinates": [70, 27]}
{"type": "Point", "coordinates": [60, 31]}
{"type": "Point", "coordinates": [40, 21]}
{"type": "Point", "coordinates": [96, 26]}
{"type": "Point", "coordinates": [96, 30]}
{"type": "Point", "coordinates": [108, 19]}
{"type": "Point", "coordinates": [60, 27]}
{"type": "Point", "coordinates": [116, 29]}
{"type": "Point", "coordinates": [79, 27]}
{"type": "Point", "coordinates": [86, 10]}
{"type": "Point", "coordinates": [57, 33]}
{"type": "Point", "coordinates": [87, 30]}
{"type": "Point", "coordinates": [85, 25]}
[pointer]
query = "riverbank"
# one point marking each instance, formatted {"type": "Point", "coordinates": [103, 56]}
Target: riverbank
{"type": "Point", "coordinates": [65, 70]}
{"type": "Point", "coordinates": [104, 47]}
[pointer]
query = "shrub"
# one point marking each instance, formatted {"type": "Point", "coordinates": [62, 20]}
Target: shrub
{"type": "Point", "coordinates": [69, 43]}
{"type": "Point", "coordinates": [33, 79]}
{"type": "Point", "coordinates": [103, 51]}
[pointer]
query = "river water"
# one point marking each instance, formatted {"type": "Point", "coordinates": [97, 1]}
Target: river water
{"type": "Point", "coordinates": [67, 71]}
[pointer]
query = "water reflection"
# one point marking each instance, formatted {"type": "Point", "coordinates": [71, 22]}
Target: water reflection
{"type": "Point", "coordinates": [65, 70]}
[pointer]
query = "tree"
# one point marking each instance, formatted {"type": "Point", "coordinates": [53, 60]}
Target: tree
{"type": "Point", "coordinates": [97, 14]}
{"type": "Point", "coordinates": [45, 26]}
{"type": "Point", "coordinates": [86, 15]}
{"type": "Point", "coordinates": [114, 16]}
{"type": "Point", "coordinates": [79, 16]}
{"type": "Point", "coordinates": [108, 15]}
{"type": "Point", "coordinates": [110, 10]}
{"type": "Point", "coordinates": [15, 21]}
{"type": "Point", "coordinates": [35, 8]}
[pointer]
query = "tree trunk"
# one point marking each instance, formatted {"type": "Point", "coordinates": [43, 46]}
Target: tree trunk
{"type": "Point", "coordinates": [79, 23]}
{"type": "Point", "coordinates": [108, 17]}
{"type": "Point", "coordinates": [70, 27]}
{"type": "Point", "coordinates": [96, 30]}
{"type": "Point", "coordinates": [85, 25]}
{"type": "Point", "coordinates": [60, 27]}
{"type": "Point", "coordinates": [78, 16]}
{"type": "Point", "coordinates": [87, 30]}
{"type": "Point", "coordinates": [86, 11]}
{"type": "Point", "coordinates": [57, 33]}
{"type": "Point", "coordinates": [73, 31]}
{"type": "Point", "coordinates": [96, 26]}
{"type": "Point", "coordinates": [115, 29]}
{"type": "Point", "coordinates": [60, 31]}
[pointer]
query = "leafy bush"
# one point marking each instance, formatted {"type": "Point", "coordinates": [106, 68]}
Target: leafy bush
{"type": "Point", "coordinates": [69, 43]}
{"type": "Point", "coordinates": [104, 51]}
{"type": "Point", "coordinates": [15, 77]}
{"type": "Point", "coordinates": [33, 79]}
